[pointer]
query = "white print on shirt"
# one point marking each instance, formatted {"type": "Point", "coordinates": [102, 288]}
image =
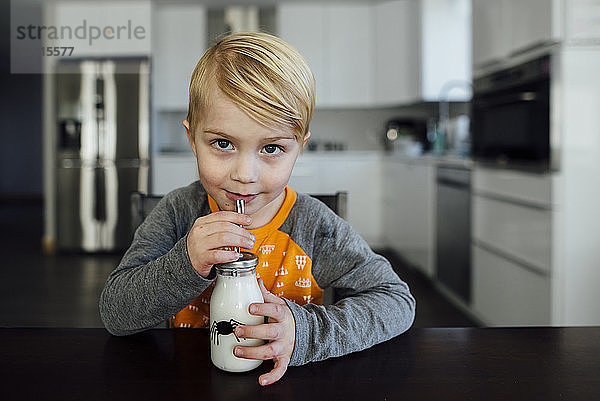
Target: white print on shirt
{"type": "Point", "coordinates": [185, 325]}
{"type": "Point", "coordinates": [257, 275]}
{"type": "Point", "coordinates": [281, 272]}
{"type": "Point", "coordinates": [283, 253]}
{"type": "Point", "coordinates": [265, 264]}
{"type": "Point", "coordinates": [300, 262]}
{"type": "Point", "coordinates": [307, 298]}
{"type": "Point", "coordinates": [279, 284]}
{"type": "Point", "coordinates": [302, 282]}
{"type": "Point", "coordinates": [279, 294]}
{"type": "Point", "coordinates": [193, 308]}
{"type": "Point", "coordinates": [266, 249]}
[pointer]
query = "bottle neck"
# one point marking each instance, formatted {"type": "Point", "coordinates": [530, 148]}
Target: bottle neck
{"type": "Point", "coordinates": [239, 272]}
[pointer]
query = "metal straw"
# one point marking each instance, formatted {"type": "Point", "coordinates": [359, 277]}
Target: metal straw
{"type": "Point", "coordinates": [240, 206]}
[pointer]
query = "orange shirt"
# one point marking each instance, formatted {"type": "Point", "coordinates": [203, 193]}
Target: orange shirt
{"type": "Point", "coordinates": [283, 266]}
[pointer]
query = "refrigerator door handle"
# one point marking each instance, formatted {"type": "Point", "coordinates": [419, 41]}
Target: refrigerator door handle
{"type": "Point", "coordinates": [90, 229]}
{"type": "Point", "coordinates": [109, 151]}
{"type": "Point", "coordinates": [144, 112]}
{"type": "Point", "coordinates": [144, 128]}
{"type": "Point", "coordinates": [109, 225]}
{"type": "Point", "coordinates": [89, 125]}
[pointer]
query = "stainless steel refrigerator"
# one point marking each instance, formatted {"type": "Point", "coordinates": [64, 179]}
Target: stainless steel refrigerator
{"type": "Point", "coordinates": [102, 150]}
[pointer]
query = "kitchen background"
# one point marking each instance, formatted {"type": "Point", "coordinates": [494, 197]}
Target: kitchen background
{"type": "Point", "coordinates": [489, 212]}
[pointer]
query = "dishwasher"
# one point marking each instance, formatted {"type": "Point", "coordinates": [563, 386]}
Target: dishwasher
{"type": "Point", "coordinates": [453, 234]}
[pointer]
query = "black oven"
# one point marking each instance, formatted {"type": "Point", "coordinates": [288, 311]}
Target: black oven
{"type": "Point", "coordinates": [511, 116]}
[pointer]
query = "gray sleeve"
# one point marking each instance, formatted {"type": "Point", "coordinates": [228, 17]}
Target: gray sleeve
{"type": "Point", "coordinates": [155, 278]}
{"type": "Point", "coordinates": [376, 304]}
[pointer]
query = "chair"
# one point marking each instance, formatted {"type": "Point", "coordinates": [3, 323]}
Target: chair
{"type": "Point", "coordinates": [142, 205]}
{"type": "Point", "coordinates": [336, 202]}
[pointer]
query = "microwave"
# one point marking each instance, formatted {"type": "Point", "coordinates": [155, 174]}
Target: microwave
{"type": "Point", "coordinates": [511, 117]}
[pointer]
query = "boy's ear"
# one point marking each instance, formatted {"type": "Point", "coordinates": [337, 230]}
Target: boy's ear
{"type": "Point", "coordinates": [305, 139]}
{"type": "Point", "coordinates": [188, 132]}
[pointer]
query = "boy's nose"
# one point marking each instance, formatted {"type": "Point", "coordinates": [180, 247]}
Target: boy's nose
{"type": "Point", "coordinates": [245, 169]}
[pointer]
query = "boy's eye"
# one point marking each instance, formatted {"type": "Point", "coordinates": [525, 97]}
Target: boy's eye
{"type": "Point", "coordinates": [272, 149]}
{"type": "Point", "coordinates": [222, 144]}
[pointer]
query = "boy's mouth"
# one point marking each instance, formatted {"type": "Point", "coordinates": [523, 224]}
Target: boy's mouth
{"type": "Point", "coordinates": [236, 196]}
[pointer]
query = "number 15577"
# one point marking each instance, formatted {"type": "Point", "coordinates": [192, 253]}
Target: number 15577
{"type": "Point", "coordinates": [57, 51]}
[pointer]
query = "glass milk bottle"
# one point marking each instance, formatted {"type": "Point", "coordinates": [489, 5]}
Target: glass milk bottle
{"type": "Point", "coordinates": [235, 289]}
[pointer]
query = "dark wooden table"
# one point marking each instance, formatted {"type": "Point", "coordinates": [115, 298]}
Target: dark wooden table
{"type": "Point", "coordinates": [455, 364]}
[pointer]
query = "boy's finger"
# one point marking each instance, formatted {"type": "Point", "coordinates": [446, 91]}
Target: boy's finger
{"type": "Point", "coordinates": [277, 373]}
{"type": "Point", "coordinates": [221, 256]}
{"type": "Point", "coordinates": [221, 239]}
{"type": "Point", "coordinates": [262, 352]}
{"type": "Point", "coordinates": [232, 217]}
{"type": "Point", "coordinates": [267, 295]}
{"type": "Point", "coordinates": [273, 310]}
{"type": "Point", "coordinates": [269, 331]}
{"type": "Point", "coordinates": [224, 228]}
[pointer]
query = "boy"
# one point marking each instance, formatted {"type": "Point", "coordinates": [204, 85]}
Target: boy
{"type": "Point", "coordinates": [251, 101]}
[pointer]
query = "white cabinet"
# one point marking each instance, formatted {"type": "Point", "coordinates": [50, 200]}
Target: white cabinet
{"type": "Point", "coordinates": [409, 211]}
{"type": "Point", "coordinates": [520, 186]}
{"type": "Point", "coordinates": [350, 45]}
{"type": "Point", "coordinates": [396, 61]}
{"type": "Point", "coordinates": [358, 173]}
{"type": "Point", "coordinates": [490, 31]}
{"type": "Point", "coordinates": [503, 28]}
{"type": "Point", "coordinates": [179, 41]}
{"type": "Point", "coordinates": [520, 232]}
{"type": "Point", "coordinates": [445, 50]}
{"type": "Point", "coordinates": [506, 294]}
{"type": "Point", "coordinates": [382, 54]}
{"type": "Point", "coordinates": [336, 40]}
{"type": "Point", "coordinates": [511, 251]}
{"type": "Point", "coordinates": [531, 23]}
{"type": "Point", "coordinates": [293, 20]}
{"type": "Point", "coordinates": [512, 214]}
{"type": "Point", "coordinates": [422, 51]}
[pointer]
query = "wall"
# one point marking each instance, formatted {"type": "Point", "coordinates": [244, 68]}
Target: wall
{"type": "Point", "coordinates": [363, 129]}
{"type": "Point", "coordinates": [358, 129]}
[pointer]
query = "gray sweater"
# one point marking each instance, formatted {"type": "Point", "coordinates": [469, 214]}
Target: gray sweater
{"type": "Point", "coordinates": [155, 278]}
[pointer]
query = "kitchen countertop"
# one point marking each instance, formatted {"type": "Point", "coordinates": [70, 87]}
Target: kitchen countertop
{"type": "Point", "coordinates": [340, 154]}
{"type": "Point", "coordinates": [431, 160]}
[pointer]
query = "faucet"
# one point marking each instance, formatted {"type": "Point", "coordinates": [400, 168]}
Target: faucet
{"type": "Point", "coordinates": [444, 112]}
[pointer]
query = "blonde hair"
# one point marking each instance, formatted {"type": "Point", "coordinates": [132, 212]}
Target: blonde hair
{"type": "Point", "coordinates": [263, 75]}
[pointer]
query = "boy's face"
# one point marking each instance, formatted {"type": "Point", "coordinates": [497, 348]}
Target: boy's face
{"type": "Point", "coordinates": [240, 159]}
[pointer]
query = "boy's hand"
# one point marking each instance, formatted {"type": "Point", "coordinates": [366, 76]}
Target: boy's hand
{"type": "Point", "coordinates": [211, 233]}
{"type": "Point", "coordinates": [280, 332]}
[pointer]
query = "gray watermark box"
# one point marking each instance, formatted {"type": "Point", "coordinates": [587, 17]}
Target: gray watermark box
{"type": "Point", "coordinates": [43, 33]}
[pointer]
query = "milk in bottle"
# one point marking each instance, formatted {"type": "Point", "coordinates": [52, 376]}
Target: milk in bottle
{"type": "Point", "coordinates": [235, 289]}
